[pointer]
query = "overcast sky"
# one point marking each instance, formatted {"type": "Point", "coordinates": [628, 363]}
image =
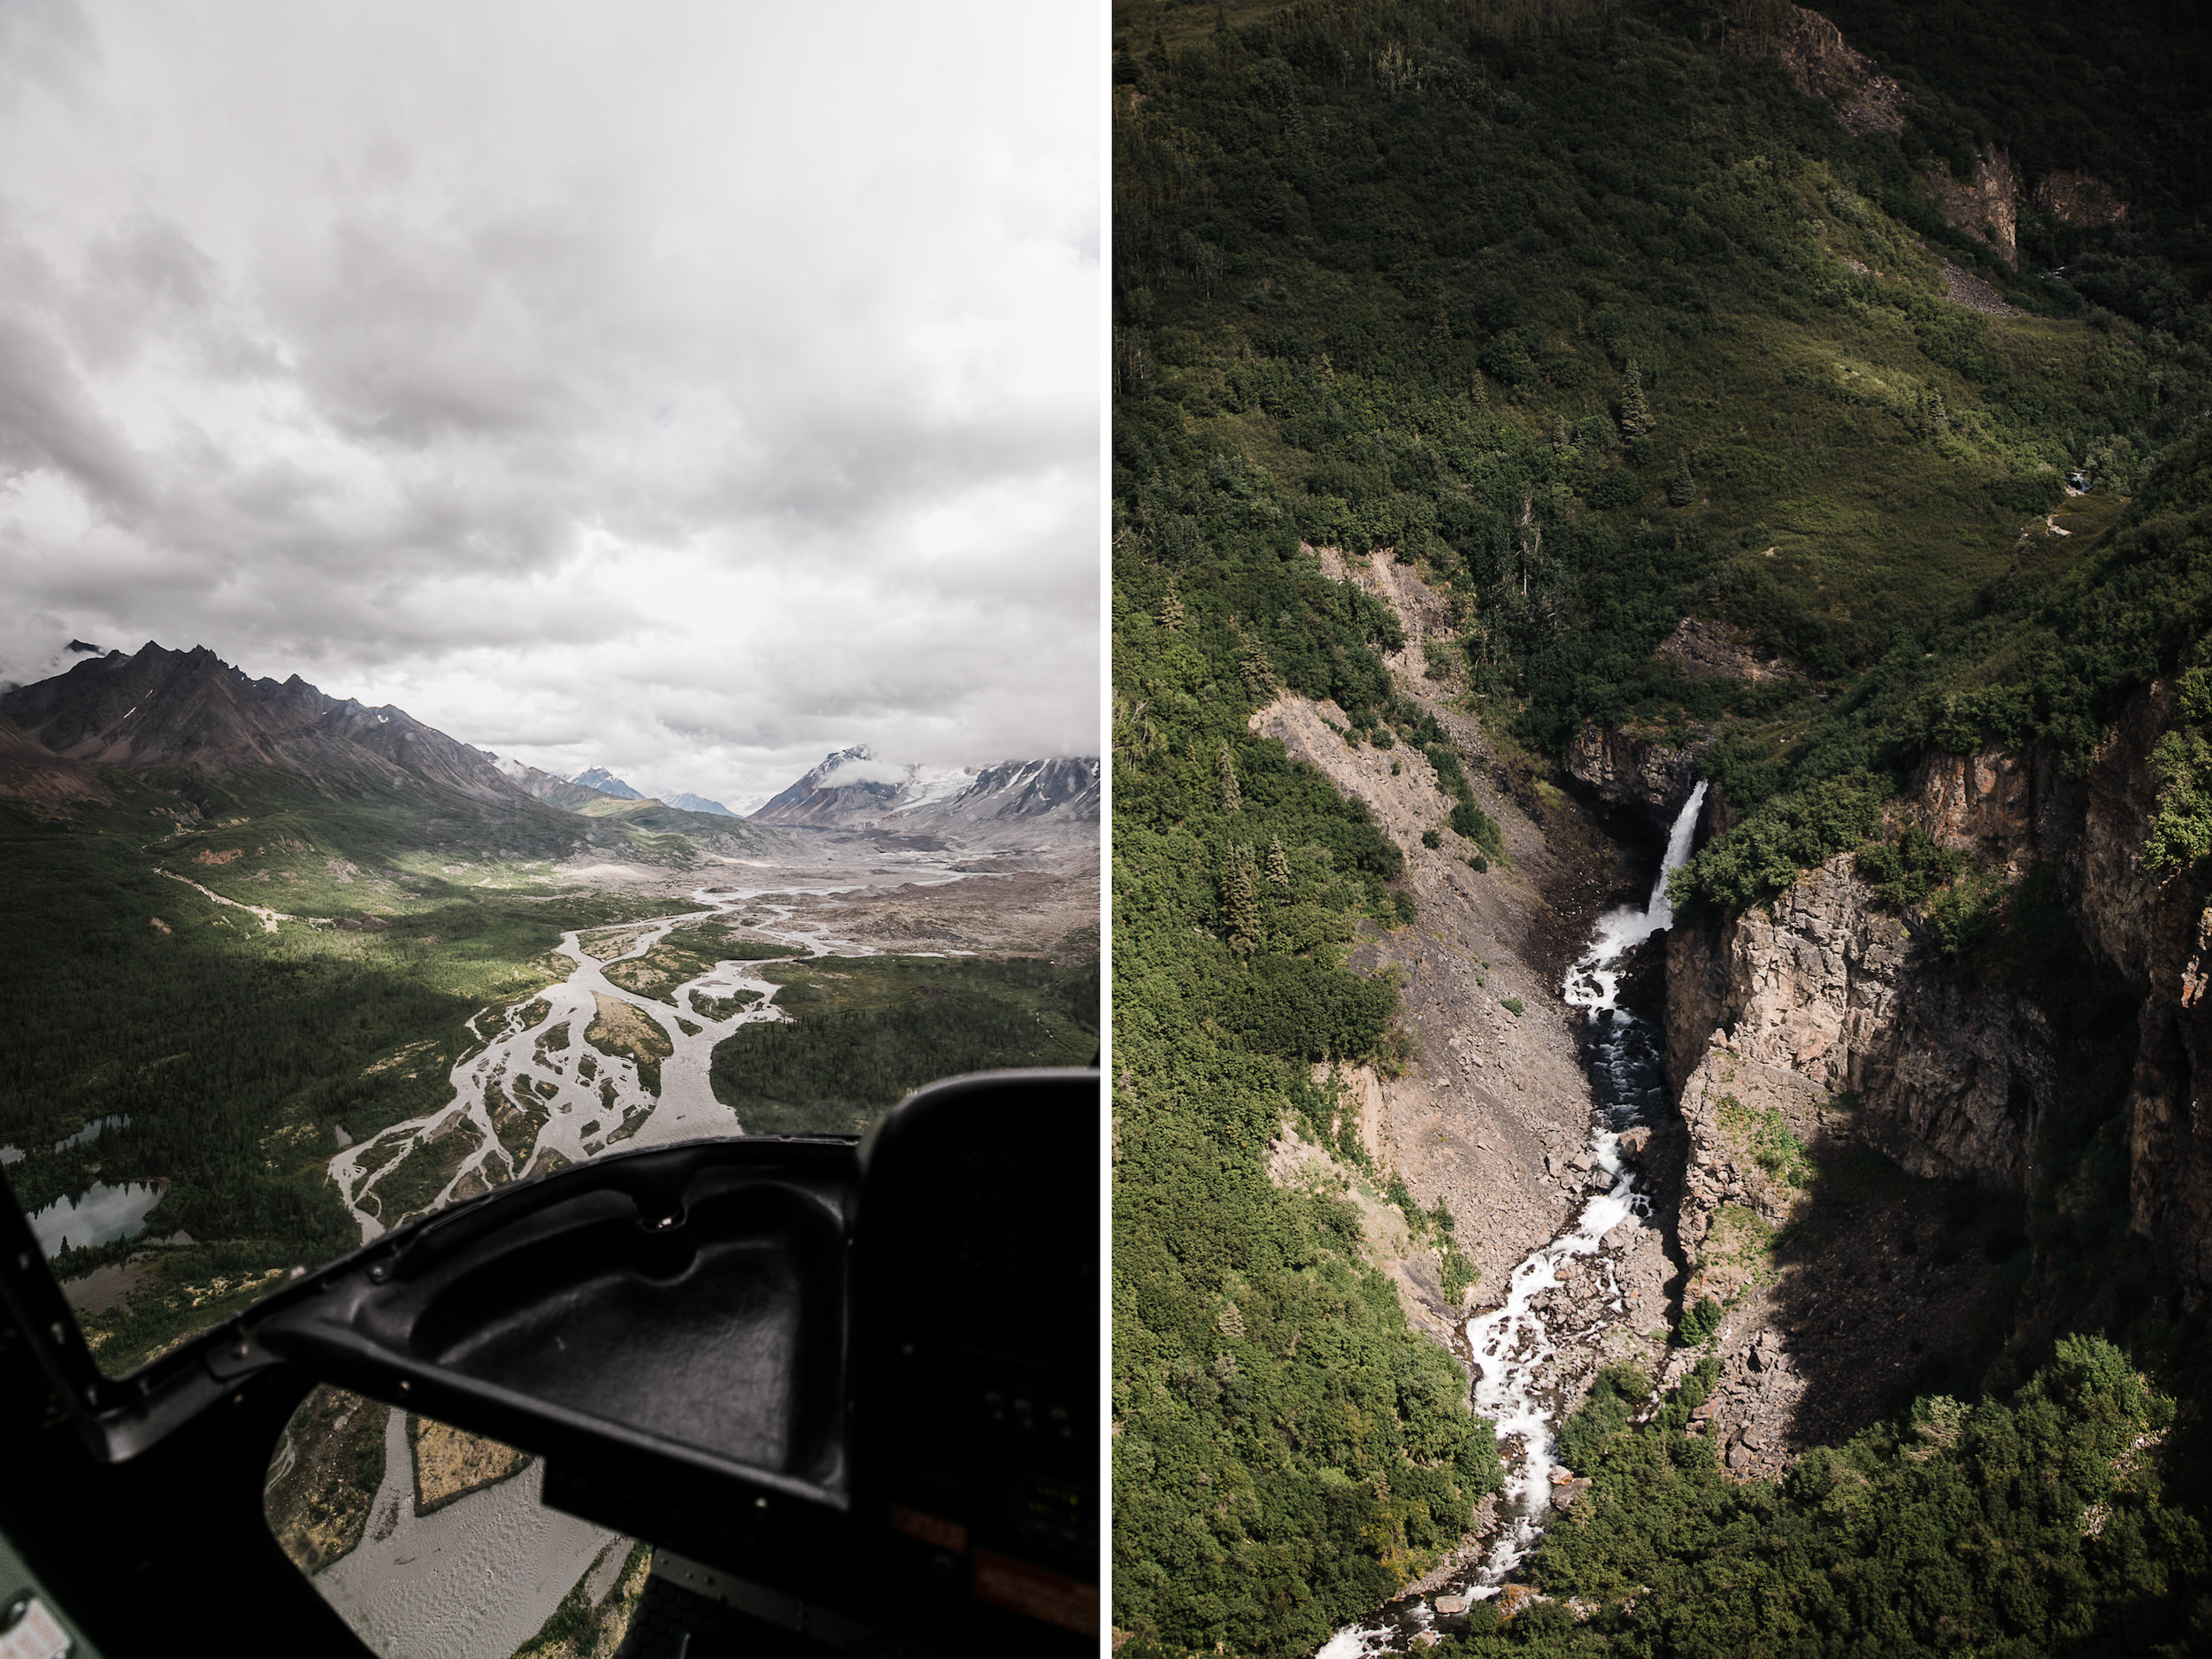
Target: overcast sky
{"type": "Point", "coordinates": [691, 389]}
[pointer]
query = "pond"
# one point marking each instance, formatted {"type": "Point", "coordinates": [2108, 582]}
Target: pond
{"type": "Point", "coordinates": [95, 1216]}
{"type": "Point", "coordinates": [91, 1131]}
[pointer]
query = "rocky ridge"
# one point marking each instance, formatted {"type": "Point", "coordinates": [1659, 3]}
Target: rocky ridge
{"type": "Point", "coordinates": [157, 709]}
{"type": "Point", "coordinates": [161, 707]}
{"type": "Point", "coordinates": [543, 786]}
{"type": "Point", "coordinates": [1822, 65]}
{"type": "Point", "coordinates": [32, 772]}
{"type": "Point", "coordinates": [1044, 802]}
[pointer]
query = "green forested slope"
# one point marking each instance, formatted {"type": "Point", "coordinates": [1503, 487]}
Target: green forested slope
{"type": "Point", "coordinates": [237, 1053]}
{"type": "Point", "coordinates": [1286, 1451]}
{"type": "Point", "coordinates": [864, 1030]}
{"type": "Point", "coordinates": [1604, 325]}
{"type": "Point", "coordinates": [2116, 90]}
{"type": "Point", "coordinates": [2034, 1525]}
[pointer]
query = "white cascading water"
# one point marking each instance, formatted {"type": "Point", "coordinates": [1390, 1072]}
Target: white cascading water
{"type": "Point", "coordinates": [1511, 1344]}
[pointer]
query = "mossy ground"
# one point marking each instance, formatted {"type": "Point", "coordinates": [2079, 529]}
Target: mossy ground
{"type": "Point", "coordinates": [331, 1462]}
{"type": "Point", "coordinates": [451, 1462]}
{"type": "Point", "coordinates": [685, 954]}
{"type": "Point", "coordinates": [619, 1032]}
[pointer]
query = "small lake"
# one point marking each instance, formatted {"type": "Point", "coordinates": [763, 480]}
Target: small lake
{"type": "Point", "coordinates": [91, 1131]}
{"type": "Point", "coordinates": [95, 1216]}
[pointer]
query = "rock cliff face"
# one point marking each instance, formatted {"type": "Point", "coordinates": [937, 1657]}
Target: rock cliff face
{"type": "Point", "coordinates": [1824, 994]}
{"type": "Point", "coordinates": [1823, 65]}
{"type": "Point", "coordinates": [1653, 779]}
{"type": "Point", "coordinates": [1985, 202]}
{"type": "Point", "coordinates": [1827, 986]}
{"type": "Point", "coordinates": [2158, 933]}
{"type": "Point", "coordinates": [2074, 197]}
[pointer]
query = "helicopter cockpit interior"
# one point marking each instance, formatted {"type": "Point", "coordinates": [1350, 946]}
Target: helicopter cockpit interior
{"type": "Point", "coordinates": [846, 1388]}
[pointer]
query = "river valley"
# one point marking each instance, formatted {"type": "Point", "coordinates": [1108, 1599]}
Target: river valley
{"type": "Point", "coordinates": [537, 1074]}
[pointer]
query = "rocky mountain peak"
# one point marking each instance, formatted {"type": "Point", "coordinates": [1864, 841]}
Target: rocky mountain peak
{"type": "Point", "coordinates": [853, 790]}
{"type": "Point", "coordinates": [599, 779]}
{"type": "Point", "coordinates": [158, 706]}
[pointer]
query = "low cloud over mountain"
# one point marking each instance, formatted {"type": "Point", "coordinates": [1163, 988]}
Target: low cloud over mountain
{"type": "Point", "coordinates": [529, 372]}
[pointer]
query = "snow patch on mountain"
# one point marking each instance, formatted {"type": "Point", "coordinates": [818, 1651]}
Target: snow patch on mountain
{"type": "Point", "coordinates": [857, 765]}
{"type": "Point", "coordinates": [852, 789]}
{"type": "Point", "coordinates": [599, 779]}
{"type": "Point", "coordinates": [690, 802]}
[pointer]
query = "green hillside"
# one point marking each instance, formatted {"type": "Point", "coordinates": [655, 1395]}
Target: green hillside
{"type": "Point", "coordinates": [863, 1031]}
{"type": "Point", "coordinates": [236, 1052]}
{"type": "Point", "coordinates": [1588, 310]}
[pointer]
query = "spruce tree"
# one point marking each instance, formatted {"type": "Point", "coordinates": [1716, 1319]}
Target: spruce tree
{"type": "Point", "coordinates": [1277, 863]}
{"type": "Point", "coordinates": [1681, 489]}
{"type": "Point", "coordinates": [1231, 800]}
{"type": "Point", "coordinates": [1240, 900]}
{"type": "Point", "coordinates": [1636, 421]}
{"type": "Point", "coordinates": [1172, 611]}
{"type": "Point", "coordinates": [1482, 393]}
{"type": "Point", "coordinates": [1257, 672]}
{"type": "Point", "coordinates": [1559, 439]}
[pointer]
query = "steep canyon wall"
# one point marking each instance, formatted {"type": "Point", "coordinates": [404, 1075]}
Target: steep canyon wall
{"type": "Point", "coordinates": [1831, 1007]}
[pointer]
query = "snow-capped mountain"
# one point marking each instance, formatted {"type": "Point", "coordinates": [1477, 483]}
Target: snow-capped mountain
{"type": "Point", "coordinates": [691, 803]}
{"type": "Point", "coordinates": [599, 779]}
{"type": "Point", "coordinates": [852, 790]}
{"type": "Point", "coordinates": [554, 791]}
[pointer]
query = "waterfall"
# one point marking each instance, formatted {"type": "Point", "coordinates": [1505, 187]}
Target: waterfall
{"type": "Point", "coordinates": [1512, 1345]}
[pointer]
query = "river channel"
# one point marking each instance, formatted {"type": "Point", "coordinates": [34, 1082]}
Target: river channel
{"type": "Point", "coordinates": [1515, 1344]}
{"type": "Point", "coordinates": [594, 1101]}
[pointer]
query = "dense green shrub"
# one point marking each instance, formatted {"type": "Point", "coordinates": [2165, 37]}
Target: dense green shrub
{"type": "Point", "coordinates": [2027, 1525]}
{"type": "Point", "coordinates": [1700, 1322]}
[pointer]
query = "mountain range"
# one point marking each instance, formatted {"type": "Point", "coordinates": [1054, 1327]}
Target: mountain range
{"type": "Point", "coordinates": [599, 779]}
{"type": "Point", "coordinates": [164, 708]}
{"type": "Point", "coordinates": [852, 790]}
{"type": "Point", "coordinates": [218, 739]}
{"type": "Point", "coordinates": [186, 719]}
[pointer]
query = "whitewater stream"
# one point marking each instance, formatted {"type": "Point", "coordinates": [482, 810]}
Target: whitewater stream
{"type": "Point", "coordinates": [1513, 1345]}
{"type": "Point", "coordinates": [592, 1099]}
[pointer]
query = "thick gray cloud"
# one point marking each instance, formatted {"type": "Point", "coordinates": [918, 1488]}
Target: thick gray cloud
{"type": "Point", "coordinates": [688, 389]}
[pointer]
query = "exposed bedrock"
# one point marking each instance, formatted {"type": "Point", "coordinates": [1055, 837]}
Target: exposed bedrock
{"type": "Point", "coordinates": [1825, 991]}
{"type": "Point", "coordinates": [1649, 779]}
{"type": "Point", "coordinates": [1823, 983]}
